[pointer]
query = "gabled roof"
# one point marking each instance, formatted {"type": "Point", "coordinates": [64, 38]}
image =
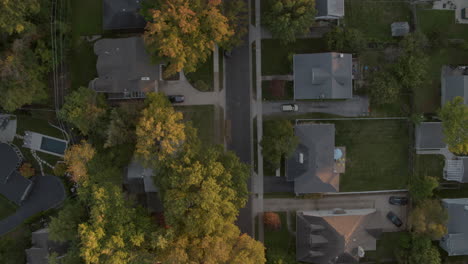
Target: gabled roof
{"type": "Point", "coordinates": [400, 29]}
{"type": "Point", "coordinates": [316, 149]}
{"type": "Point", "coordinates": [323, 76]}
{"type": "Point", "coordinates": [429, 135]}
{"type": "Point", "coordinates": [124, 68]}
{"type": "Point", "coordinates": [8, 162]}
{"type": "Point", "coordinates": [42, 246]}
{"type": "Point", "coordinates": [456, 240]}
{"type": "Point", "coordinates": [329, 8]}
{"type": "Point", "coordinates": [454, 83]}
{"type": "Point", "coordinates": [333, 236]}
{"type": "Point", "coordinates": [122, 14]}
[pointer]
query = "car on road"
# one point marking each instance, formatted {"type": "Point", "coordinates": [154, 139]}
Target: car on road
{"type": "Point", "coordinates": [289, 108]}
{"type": "Point", "coordinates": [176, 98]}
{"type": "Point", "coordinates": [394, 219]}
{"type": "Point", "coordinates": [398, 200]}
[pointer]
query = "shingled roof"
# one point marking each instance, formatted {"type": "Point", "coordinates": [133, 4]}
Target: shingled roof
{"type": "Point", "coordinates": [456, 240]}
{"type": "Point", "coordinates": [454, 83]}
{"type": "Point", "coordinates": [429, 135]}
{"type": "Point", "coordinates": [329, 9]}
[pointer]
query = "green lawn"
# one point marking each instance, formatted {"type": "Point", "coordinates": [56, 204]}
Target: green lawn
{"type": "Point", "coordinates": [280, 244]}
{"type": "Point", "coordinates": [430, 165]}
{"type": "Point", "coordinates": [386, 247]}
{"type": "Point", "coordinates": [6, 207]}
{"type": "Point", "coordinates": [86, 17]}
{"type": "Point", "coordinates": [376, 154]}
{"type": "Point", "coordinates": [430, 20]}
{"type": "Point", "coordinates": [83, 64]}
{"type": "Point", "coordinates": [202, 78]}
{"type": "Point", "coordinates": [374, 17]}
{"type": "Point", "coordinates": [202, 118]}
{"type": "Point", "coordinates": [277, 58]}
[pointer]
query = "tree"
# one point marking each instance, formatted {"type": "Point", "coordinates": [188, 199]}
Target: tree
{"type": "Point", "coordinates": [343, 39]}
{"type": "Point", "coordinates": [185, 31]}
{"type": "Point", "coordinates": [278, 141]}
{"type": "Point", "coordinates": [85, 109]}
{"type": "Point", "coordinates": [287, 18]}
{"type": "Point", "coordinates": [429, 218]}
{"type": "Point", "coordinates": [159, 130]}
{"type": "Point", "coordinates": [272, 220]}
{"type": "Point", "coordinates": [26, 170]}
{"type": "Point", "coordinates": [236, 12]}
{"type": "Point", "coordinates": [454, 117]}
{"type": "Point", "coordinates": [422, 251]}
{"type": "Point", "coordinates": [122, 125]}
{"type": "Point", "coordinates": [384, 88]}
{"type": "Point", "coordinates": [64, 226]}
{"type": "Point", "coordinates": [422, 188]}
{"type": "Point", "coordinates": [14, 18]}
{"type": "Point", "coordinates": [77, 158]}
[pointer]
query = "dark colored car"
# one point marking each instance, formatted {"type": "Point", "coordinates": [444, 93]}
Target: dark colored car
{"type": "Point", "coordinates": [394, 219]}
{"type": "Point", "coordinates": [176, 98]}
{"type": "Point", "coordinates": [398, 200]}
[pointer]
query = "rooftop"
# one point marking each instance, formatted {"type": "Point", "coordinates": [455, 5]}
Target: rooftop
{"type": "Point", "coordinates": [456, 240]}
{"type": "Point", "coordinates": [42, 246]}
{"type": "Point", "coordinates": [400, 29]}
{"type": "Point", "coordinates": [329, 9]}
{"type": "Point", "coordinates": [429, 135]}
{"type": "Point", "coordinates": [122, 14]}
{"type": "Point", "coordinates": [8, 125]}
{"type": "Point", "coordinates": [454, 83]}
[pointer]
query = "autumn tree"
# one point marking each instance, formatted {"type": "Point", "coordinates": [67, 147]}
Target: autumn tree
{"type": "Point", "coordinates": [278, 141]}
{"type": "Point", "coordinates": [384, 88]}
{"type": "Point", "coordinates": [343, 39]}
{"type": "Point", "coordinates": [185, 31]}
{"type": "Point", "coordinates": [454, 115]}
{"type": "Point", "coordinates": [27, 170]}
{"type": "Point", "coordinates": [77, 158]}
{"type": "Point", "coordinates": [422, 187]}
{"type": "Point", "coordinates": [286, 19]}
{"type": "Point", "coordinates": [159, 130]}
{"type": "Point", "coordinates": [14, 18]}
{"type": "Point", "coordinates": [429, 219]}
{"type": "Point", "coordinates": [272, 220]}
{"type": "Point", "coordinates": [85, 109]}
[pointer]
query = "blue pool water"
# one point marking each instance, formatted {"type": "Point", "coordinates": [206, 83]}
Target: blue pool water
{"type": "Point", "coordinates": [52, 145]}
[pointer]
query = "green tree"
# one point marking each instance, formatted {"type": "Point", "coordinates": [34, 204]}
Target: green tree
{"type": "Point", "coordinates": [278, 141]}
{"type": "Point", "coordinates": [15, 15]}
{"type": "Point", "coordinates": [422, 187]}
{"type": "Point", "coordinates": [343, 39]}
{"type": "Point", "coordinates": [64, 226]}
{"type": "Point", "coordinates": [185, 31]}
{"type": "Point", "coordinates": [85, 109]}
{"type": "Point", "coordinates": [384, 88]}
{"type": "Point", "coordinates": [454, 117]}
{"type": "Point", "coordinates": [122, 125]}
{"type": "Point", "coordinates": [236, 12]}
{"type": "Point", "coordinates": [429, 218]}
{"type": "Point", "coordinates": [422, 251]}
{"type": "Point", "coordinates": [287, 18]}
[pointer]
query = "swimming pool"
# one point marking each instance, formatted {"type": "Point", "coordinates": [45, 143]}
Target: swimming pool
{"type": "Point", "coordinates": [52, 145]}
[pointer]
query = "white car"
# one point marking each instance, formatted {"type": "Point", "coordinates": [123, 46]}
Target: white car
{"type": "Point", "coordinates": [289, 108]}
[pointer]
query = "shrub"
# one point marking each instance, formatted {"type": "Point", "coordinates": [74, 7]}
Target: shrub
{"type": "Point", "coordinates": [272, 220]}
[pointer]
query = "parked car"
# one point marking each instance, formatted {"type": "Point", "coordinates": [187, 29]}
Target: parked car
{"type": "Point", "coordinates": [394, 219]}
{"type": "Point", "coordinates": [398, 200]}
{"type": "Point", "coordinates": [289, 108]}
{"type": "Point", "coordinates": [176, 98]}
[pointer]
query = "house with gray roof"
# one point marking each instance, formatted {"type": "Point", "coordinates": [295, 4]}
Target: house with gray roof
{"type": "Point", "coordinates": [8, 124]}
{"type": "Point", "coordinates": [13, 185]}
{"type": "Point", "coordinates": [455, 242]}
{"type": "Point", "coordinates": [336, 236]}
{"type": "Point", "coordinates": [400, 29]}
{"type": "Point", "coordinates": [454, 82]}
{"type": "Point", "coordinates": [312, 165]}
{"type": "Point", "coordinates": [329, 9]}
{"type": "Point", "coordinates": [42, 247]}
{"type": "Point", "coordinates": [323, 76]}
{"type": "Point", "coordinates": [124, 69]}
{"type": "Point", "coordinates": [429, 136]}
{"type": "Point", "coordinates": [122, 14]}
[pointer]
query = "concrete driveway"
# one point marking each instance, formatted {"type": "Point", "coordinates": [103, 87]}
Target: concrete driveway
{"type": "Point", "coordinates": [357, 106]}
{"type": "Point", "coordinates": [378, 201]}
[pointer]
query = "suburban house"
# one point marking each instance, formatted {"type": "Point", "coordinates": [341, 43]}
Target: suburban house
{"type": "Point", "coordinates": [122, 14]}
{"type": "Point", "coordinates": [460, 7]}
{"type": "Point", "coordinates": [329, 9]}
{"type": "Point", "coordinates": [455, 242]}
{"type": "Point", "coordinates": [323, 76]}
{"type": "Point", "coordinates": [8, 125]}
{"type": "Point", "coordinates": [400, 29]}
{"type": "Point", "coordinates": [336, 236]}
{"type": "Point", "coordinates": [316, 164]}
{"type": "Point", "coordinates": [124, 69]}
{"type": "Point", "coordinates": [454, 80]}
{"type": "Point", "coordinates": [138, 181]}
{"type": "Point", "coordinates": [42, 247]}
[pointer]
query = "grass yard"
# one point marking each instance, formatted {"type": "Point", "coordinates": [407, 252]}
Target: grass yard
{"type": "Point", "coordinates": [6, 207]}
{"type": "Point", "coordinates": [374, 17]}
{"type": "Point", "coordinates": [280, 244]}
{"type": "Point", "coordinates": [83, 64]}
{"type": "Point", "coordinates": [278, 58]}
{"type": "Point", "coordinates": [376, 154]}
{"type": "Point", "coordinates": [386, 247]}
{"type": "Point", "coordinates": [430, 20]}
{"type": "Point", "coordinates": [430, 165]}
{"type": "Point", "coordinates": [86, 17]}
{"type": "Point", "coordinates": [202, 78]}
{"type": "Point", "coordinates": [203, 119]}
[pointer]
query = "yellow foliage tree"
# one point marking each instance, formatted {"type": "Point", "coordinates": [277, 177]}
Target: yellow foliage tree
{"type": "Point", "coordinates": [76, 159]}
{"type": "Point", "coordinates": [429, 218]}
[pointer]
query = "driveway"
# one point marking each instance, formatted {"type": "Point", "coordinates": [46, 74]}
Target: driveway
{"type": "Point", "coordinates": [357, 106]}
{"type": "Point", "coordinates": [378, 201]}
{"type": "Point", "coordinates": [273, 184]}
{"type": "Point", "coordinates": [48, 192]}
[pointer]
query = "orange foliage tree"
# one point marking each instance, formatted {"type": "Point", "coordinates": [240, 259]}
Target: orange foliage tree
{"type": "Point", "coordinates": [26, 170]}
{"type": "Point", "coordinates": [272, 220]}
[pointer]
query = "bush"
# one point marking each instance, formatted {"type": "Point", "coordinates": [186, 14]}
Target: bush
{"type": "Point", "coordinates": [272, 220]}
{"type": "Point", "coordinates": [26, 170]}
{"type": "Point", "coordinates": [60, 169]}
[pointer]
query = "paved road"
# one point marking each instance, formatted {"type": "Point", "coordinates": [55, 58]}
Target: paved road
{"type": "Point", "coordinates": [48, 192]}
{"type": "Point", "coordinates": [344, 201]}
{"type": "Point", "coordinates": [358, 106]}
{"type": "Point", "coordinates": [238, 113]}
